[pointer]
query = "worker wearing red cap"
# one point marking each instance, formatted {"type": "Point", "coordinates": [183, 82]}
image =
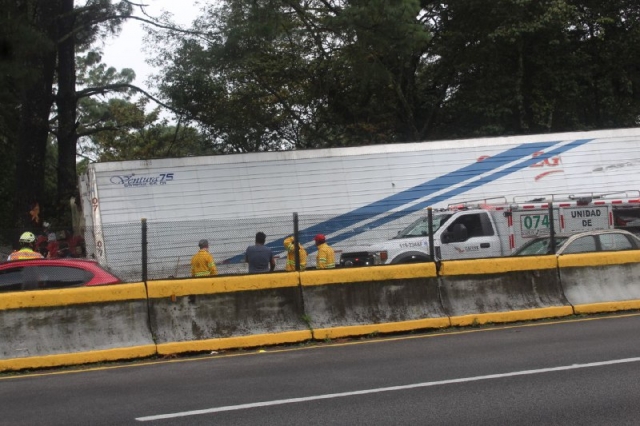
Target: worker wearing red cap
{"type": "Point", "coordinates": [326, 258]}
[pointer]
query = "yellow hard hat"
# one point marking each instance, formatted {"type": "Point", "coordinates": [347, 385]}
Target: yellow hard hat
{"type": "Point", "coordinates": [27, 237]}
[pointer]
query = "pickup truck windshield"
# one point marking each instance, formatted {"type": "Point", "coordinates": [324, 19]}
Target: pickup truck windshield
{"type": "Point", "coordinates": [420, 228]}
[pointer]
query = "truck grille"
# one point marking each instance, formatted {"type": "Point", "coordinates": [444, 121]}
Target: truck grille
{"type": "Point", "coordinates": [356, 259]}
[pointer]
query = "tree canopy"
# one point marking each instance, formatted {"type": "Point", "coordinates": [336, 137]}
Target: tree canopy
{"type": "Point", "coordinates": [58, 99]}
{"type": "Point", "coordinates": [264, 75]}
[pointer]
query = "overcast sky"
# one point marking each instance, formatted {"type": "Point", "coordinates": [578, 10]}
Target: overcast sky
{"type": "Point", "coordinates": [127, 50]}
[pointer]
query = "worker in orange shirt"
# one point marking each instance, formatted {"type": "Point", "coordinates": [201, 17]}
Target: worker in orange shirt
{"type": "Point", "coordinates": [202, 263]}
{"type": "Point", "coordinates": [27, 242]}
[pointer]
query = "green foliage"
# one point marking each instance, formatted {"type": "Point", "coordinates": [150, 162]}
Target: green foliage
{"type": "Point", "coordinates": [32, 36]}
{"type": "Point", "coordinates": [129, 133]}
{"type": "Point", "coordinates": [279, 74]}
{"type": "Point", "coordinates": [118, 127]}
{"type": "Point", "coordinates": [91, 72]}
{"type": "Point", "coordinates": [100, 19]}
{"type": "Point", "coordinates": [536, 66]}
{"type": "Point", "coordinates": [265, 75]}
{"type": "Point", "coordinates": [18, 40]}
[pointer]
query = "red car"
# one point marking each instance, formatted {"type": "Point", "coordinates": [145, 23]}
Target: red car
{"type": "Point", "coordinates": [36, 274]}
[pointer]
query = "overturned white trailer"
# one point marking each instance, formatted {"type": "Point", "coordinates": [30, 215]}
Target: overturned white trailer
{"type": "Point", "coordinates": [348, 194]}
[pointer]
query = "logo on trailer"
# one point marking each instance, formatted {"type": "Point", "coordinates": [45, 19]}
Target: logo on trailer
{"type": "Point", "coordinates": [135, 181]}
{"type": "Point", "coordinates": [551, 165]}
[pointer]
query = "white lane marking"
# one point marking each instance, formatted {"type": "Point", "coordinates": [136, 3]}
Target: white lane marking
{"type": "Point", "coordinates": [387, 389]}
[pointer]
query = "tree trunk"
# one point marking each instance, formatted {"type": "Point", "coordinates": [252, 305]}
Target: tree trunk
{"type": "Point", "coordinates": [66, 103]}
{"type": "Point", "coordinates": [33, 128]}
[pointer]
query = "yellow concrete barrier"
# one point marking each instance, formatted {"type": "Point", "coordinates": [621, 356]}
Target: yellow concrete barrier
{"type": "Point", "coordinates": [497, 265]}
{"type": "Point", "coordinates": [360, 301]}
{"type": "Point", "coordinates": [487, 289]}
{"type": "Point", "coordinates": [368, 274]}
{"type": "Point", "coordinates": [597, 278]}
{"type": "Point", "coordinates": [203, 313]}
{"type": "Point", "coordinates": [48, 328]}
{"type": "Point", "coordinates": [72, 296]}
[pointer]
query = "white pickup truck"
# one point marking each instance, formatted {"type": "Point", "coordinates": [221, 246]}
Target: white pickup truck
{"type": "Point", "coordinates": [465, 232]}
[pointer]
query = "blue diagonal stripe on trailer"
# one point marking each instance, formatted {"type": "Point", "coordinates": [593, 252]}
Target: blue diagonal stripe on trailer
{"type": "Point", "coordinates": [462, 189]}
{"type": "Point", "coordinates": [521, 152]}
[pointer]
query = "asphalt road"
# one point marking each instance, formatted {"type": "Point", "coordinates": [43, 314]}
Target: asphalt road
{"type": "Point", "coordinates": [584, 371]}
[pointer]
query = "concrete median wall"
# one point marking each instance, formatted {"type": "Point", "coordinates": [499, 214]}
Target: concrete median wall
{"type": "Point", "coordinates": [502, 290]}
{"type": "Point", "coordinates": [361, 301]}
{"type": "Point", "coordinates": [601, 282]}
{"type": "Point", "coordinates": [227, 312]}
{"type": "Point", "coordinates": [51, 328]}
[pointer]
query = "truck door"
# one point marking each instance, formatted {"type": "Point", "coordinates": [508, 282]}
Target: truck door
{"type": "Point", "coordinates": [470, 235]}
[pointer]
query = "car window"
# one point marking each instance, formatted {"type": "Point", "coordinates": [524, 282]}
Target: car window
{"type": "Point", "coordinates": [11, 279]}
{"type": "Point", "coordinates": [613, 242]}
{"type": "Point", "coordinates": [477, 224]}
{"type": "Point", "coordinates": [534, 247]}
{"type": "Point", "coordinates": [540, 246]}
{"type": "Point", "coordinates": [42, 277]}
{"type": "Point", "coordinates": [62, 276]}
{"type": "Point", "coordinates": [584, 244]}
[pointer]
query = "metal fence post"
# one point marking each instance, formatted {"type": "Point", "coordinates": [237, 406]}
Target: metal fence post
{"type": "Point", "coordinates": [144, 250]}
{"type": "Point", "coordinates": [430, 230]}
{"type": "Point", "coordinates": [552, 231]}
{"type": "Point", "coordinates": [296, 240]}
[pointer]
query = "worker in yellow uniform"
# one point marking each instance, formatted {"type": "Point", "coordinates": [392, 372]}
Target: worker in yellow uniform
{"type": "Point", "coordinates": [290, 246]}
{"type": "Point", "coordinates": [326, 258]}
{"type": "Point", "coordinates": [202, 264]}
{"type": "Point", "coordinates": [27, 242]}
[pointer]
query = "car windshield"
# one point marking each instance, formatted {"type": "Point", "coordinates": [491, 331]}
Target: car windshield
{"type": "Point", "coordinates": [420, 228]}
{"type": "Point", "coordinates": [539, 246]}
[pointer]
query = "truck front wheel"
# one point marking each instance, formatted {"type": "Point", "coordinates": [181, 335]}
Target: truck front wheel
{"type": "Point", "coordinates": [411, 257]}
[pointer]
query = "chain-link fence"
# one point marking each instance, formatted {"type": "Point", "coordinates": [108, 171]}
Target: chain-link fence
{"type": "Point", "coordinates": [164, 249]}
{"type": "Point", "coordinates": [170, 246]}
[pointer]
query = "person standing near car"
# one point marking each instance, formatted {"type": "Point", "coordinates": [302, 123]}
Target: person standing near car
{"type": "Point", "coordinates": [202, 263]}
{"type": "Point", "coordinates": [27, 242]}
{"type": "Point", "coordinates": [260, 257]}
{"type": "Point", "coordinates": [43, 239]}
{"type": "Point", "coordinates": [326, 257]}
